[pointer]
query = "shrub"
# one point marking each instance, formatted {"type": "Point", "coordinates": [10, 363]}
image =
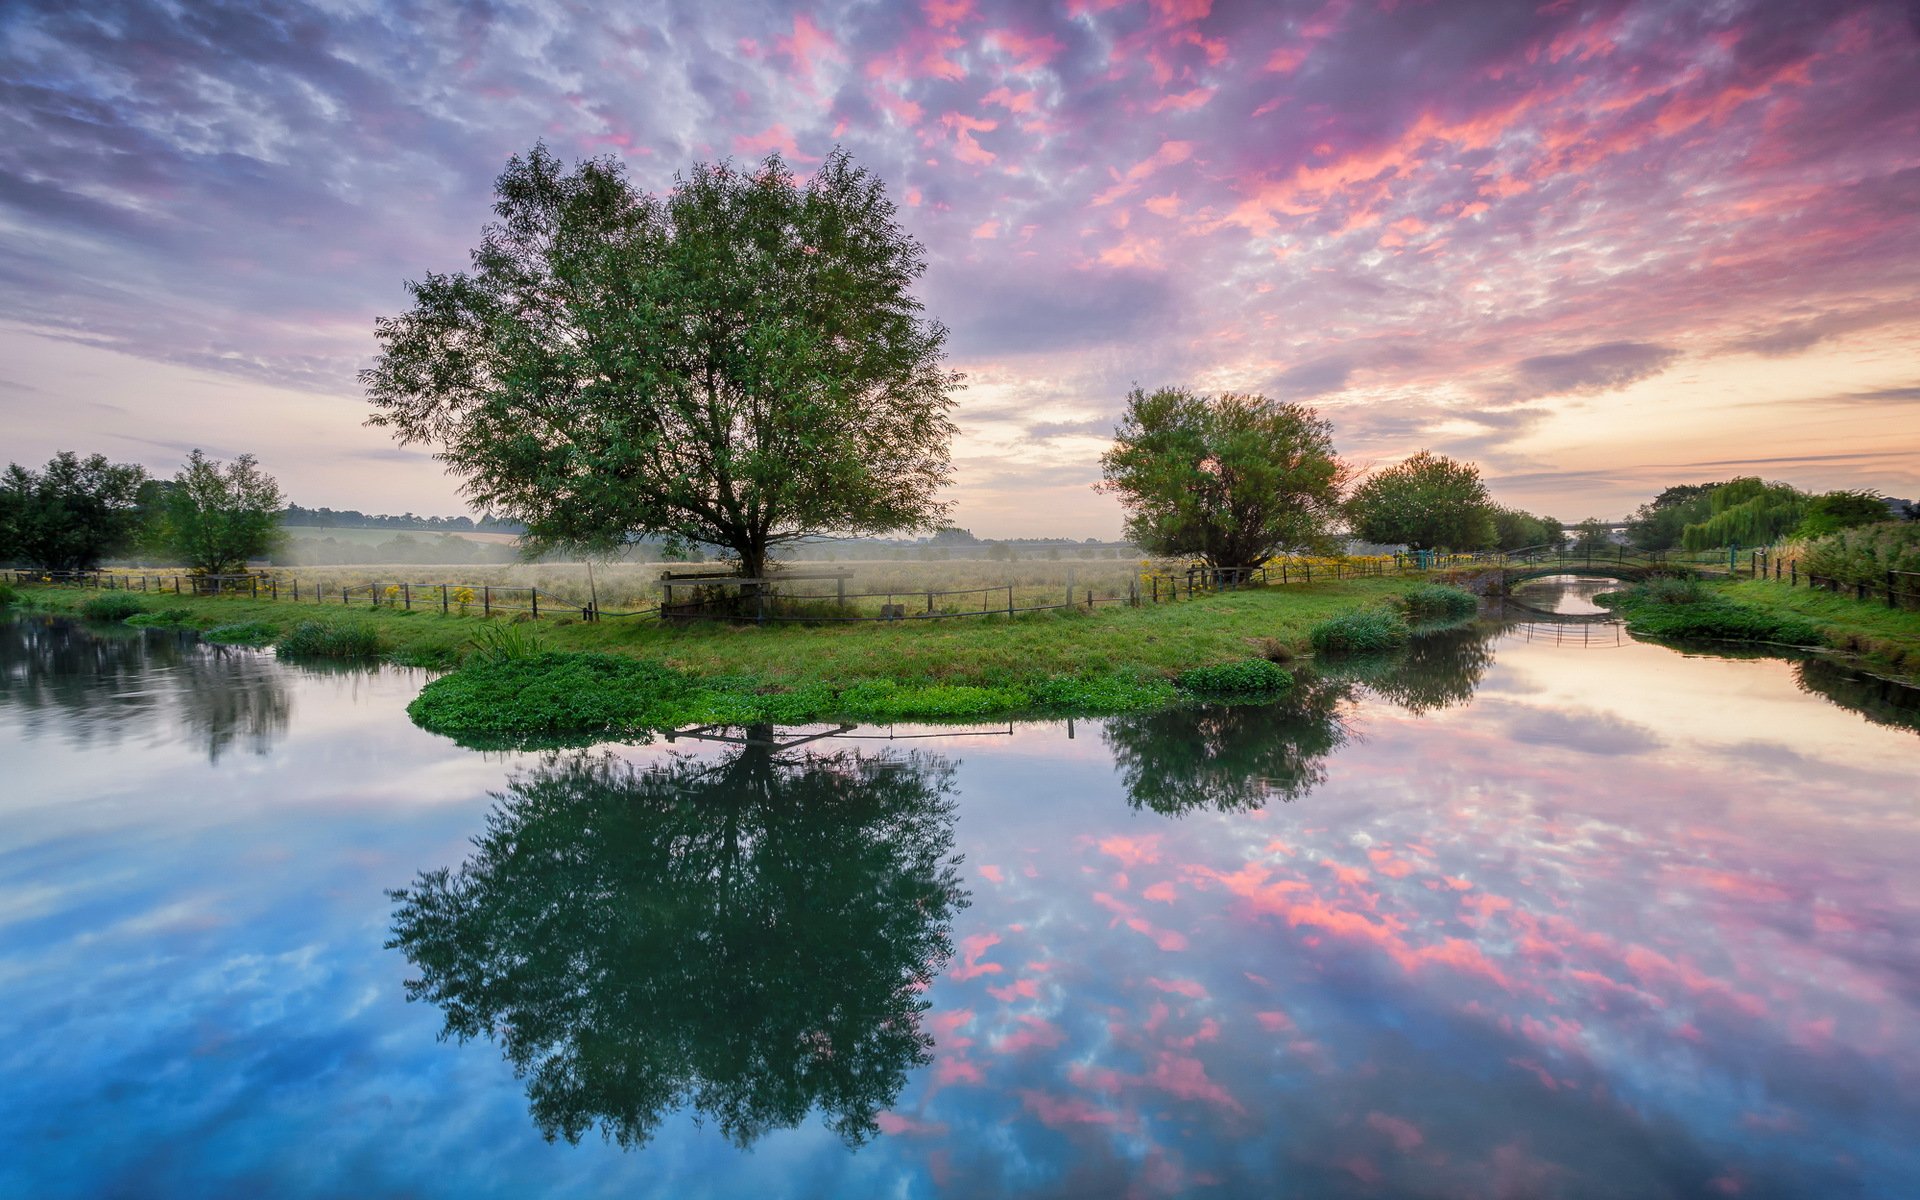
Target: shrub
{"type": "Point", "coordinates": [1248, 677]}
{"type": "Point", "coordinates": [113, 606]}
{"type": "Point", "coordinates": [1432, 601]}
{"type": "Point", "coordinates": [1866, 554]}
{"type": "Point", "coordinates": [244, 633]}
{"type": "Point", "coordinates": [318, 639]}
{"type": "Point", "coordinates": [8, 595]}
{"type": "Point", "coordinates": [1363, 631]}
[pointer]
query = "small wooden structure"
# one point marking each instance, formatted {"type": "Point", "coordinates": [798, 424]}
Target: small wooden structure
{"type": "Point", "coordinates": [710, 594]}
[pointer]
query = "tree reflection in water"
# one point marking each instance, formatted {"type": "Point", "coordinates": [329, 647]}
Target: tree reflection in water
{"type": "Point", "coordinates": [749, 937]}
{"type": "Point", "coordinates": [104, 682]}
{"type": "Point", "coordinates": [1230, 758]}
{"type": "Point", "coordinates": [1437, 669]}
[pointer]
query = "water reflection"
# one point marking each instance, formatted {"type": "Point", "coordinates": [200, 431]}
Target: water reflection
{"type": "Point", "coordinates": [1230, 758]}
{"type": "Point", "coordinates": [747, 937]}
{"type": "Point", "coordinates": [1437, 669]}
{"type": "Point", "coordinates": [1882, 701]}
{"type": "Point", "coordinates": [104, 683]}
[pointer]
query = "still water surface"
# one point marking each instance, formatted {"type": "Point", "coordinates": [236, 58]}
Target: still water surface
{"type": "Point", "coordinates": [1535, 910]}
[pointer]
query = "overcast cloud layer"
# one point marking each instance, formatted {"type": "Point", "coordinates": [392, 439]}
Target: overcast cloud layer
{"type": "Point", "coordinates": [1599, 247]}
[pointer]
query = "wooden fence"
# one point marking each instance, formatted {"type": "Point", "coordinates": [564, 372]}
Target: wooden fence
{"type": "Point", "coordinates": [1898, 589]}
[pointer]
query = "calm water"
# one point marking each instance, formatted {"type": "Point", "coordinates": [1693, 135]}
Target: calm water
{"type": "Point", "coordinates": [1534, 911]}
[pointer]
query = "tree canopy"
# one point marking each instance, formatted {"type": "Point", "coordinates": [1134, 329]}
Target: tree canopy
{"type": "Point", "coordinates": [1232, 479]}
{"type": "Point", "coordinates": [741, 362]}
{"type": "Point", "coordinates": [215, 516]}
{"type": "Point", "coordinates": [72, 514]}
{"type": "Point", "coordinates": [1428, 502]}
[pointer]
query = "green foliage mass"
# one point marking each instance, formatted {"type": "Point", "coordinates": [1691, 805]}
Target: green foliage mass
{"type": "Point", "coordinates": [1364, 631]}
{"type": "Point", "coordinates": [741, 362]}
{"type": "Point", "coordinates": [320, 639]}
{"type": "Point", "coordinates": [1866, 554]}
{"type": "Point", "coordinates": [1832, 512]}
{"type": "Point", "coordinates": [1248, 677]}
{"type": "Point", "coordinates": [1232, 479]}
{"type": "Point", "coordinates": [170, 618]}
{"type": "Point", "coordinates": [1439, 601]}
{"type": "Point", "coordinates": [1428, 502]}
{"type": "Point", "coordinates": [70, 515]}
{"type": "Point", "coordinates": [1517, 530]}
{"type": "Point", "coordinates": [112, 606]}
{"type": "Point", "coordinates": [215, 516]}
{"type": "Point", "coordinates": [1743, 512]}
{"type": "Point", "coordinates": [8, 595]}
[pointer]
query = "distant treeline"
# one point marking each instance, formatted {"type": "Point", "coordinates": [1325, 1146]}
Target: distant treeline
{"type": "Point", "coordinates": [335, 518]}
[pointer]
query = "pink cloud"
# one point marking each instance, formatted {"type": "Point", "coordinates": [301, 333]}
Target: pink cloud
{"type": "Point", "coordinates": [1404, 1135]}
{"type": "Point", "coordinates": [992, 874]}
{"type": "Point", "coordinates": [1182, 987]}
{"type": "Point", "coordinates": [1033, 1031]}
{"type": "Point", "coordinates": [971, 948]}
{"type": "Point", "coordinates": [1182, 102]}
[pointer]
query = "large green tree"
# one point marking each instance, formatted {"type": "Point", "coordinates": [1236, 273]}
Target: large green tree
{"type": "Point", "coordinates": [216, 515]}
{"type": "Point", "coordinates": [1428, 502]}
{"type": "Point", "coordinates": [1232, 479]}
{"type": "Point", "coordinates": [740, 362]}
{"type": "Point", "coordinates": [70, 515]}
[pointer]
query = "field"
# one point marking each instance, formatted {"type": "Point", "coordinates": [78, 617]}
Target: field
{"type": "Point", "coordinates": [636, 585]}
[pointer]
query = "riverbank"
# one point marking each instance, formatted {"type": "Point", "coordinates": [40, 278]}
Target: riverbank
{"type": "Point", "coordinates": [1885, 640]}
{"type": "Point", "coordinates": [1112, 659]}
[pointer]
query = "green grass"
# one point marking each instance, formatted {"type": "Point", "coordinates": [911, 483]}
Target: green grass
{"type": "Point", "coordinates": [1690, 609]}
{"type": "Point", "coordinates": [1363, 631]}
{"type": "Point", "coordinates": [1887, 639]}
{"type": "Point", "coordinates": [167, 618]}
{"type": "Point", "coordinates": [1115, 659]}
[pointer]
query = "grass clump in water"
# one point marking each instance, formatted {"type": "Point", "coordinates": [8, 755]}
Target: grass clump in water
{"type": "Point", "coordinates": [1364, 631]}
{"type": "Point", "coordinates": [318, 639]}
{"type": "Point", "coordinates": [242, 633]}
{"type": "Point", "coordinates": [1248, 677]}
{"type": "Point", "coordinates": [1439, 601]}
{"type": "Point", "coordinates": [113, 606]}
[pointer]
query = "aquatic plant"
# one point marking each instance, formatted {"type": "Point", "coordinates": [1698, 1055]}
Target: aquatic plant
{"type": "Point", "coordinates": [112, 606]}
{"type": "Point", "coordinates": [318, 639]}
{"type": "Point", "coordinates": [1249, 676]}
{"type": "Point", "coordinates": [1363, 631]}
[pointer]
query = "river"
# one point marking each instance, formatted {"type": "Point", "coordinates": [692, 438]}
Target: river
{"type": "Point", "coordinates": [1533, 909]}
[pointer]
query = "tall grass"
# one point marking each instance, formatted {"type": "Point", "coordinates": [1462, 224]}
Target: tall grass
{"type": "Point", "coordinates": [1363, 631]}
{"type": "Point", "coordinates": [319, 639]}
{"type": "Point", "coordinates": [1439, 601]}
{"type": "Point", "coordinates": [111, 606]}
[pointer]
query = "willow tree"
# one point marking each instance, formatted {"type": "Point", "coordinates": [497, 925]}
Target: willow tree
{"type": "Point", "coordinates": [740, 362]}
{"type": "Point", "coordinates": [1232, 479]}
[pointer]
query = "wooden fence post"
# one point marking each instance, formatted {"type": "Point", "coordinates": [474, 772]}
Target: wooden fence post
{"type": "Point", "coordinates": [1891, 602]}
{"type": "Point", "coordinates": [406, 595]}
{"type": "Point", "coordinates": [296, 589]}
{"type": "Point", "coordinates": [443, 599]}
{"type": "Point", "coordinates": [535, 593]}
{"type": "Point", "coordinates": [1009, 602]}
{"type": "Point", "coordinates": [486, 600]}
{"type": "Point", "coordinates": [275, 582]}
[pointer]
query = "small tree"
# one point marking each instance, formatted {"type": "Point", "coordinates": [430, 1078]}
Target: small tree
{"type": "Point", "coordinates": [740, 363]}
{"type": "Point", "coordinates": [72, 514]}
{"type": "Point", "coordinates": [217, 516]}
{"type": "Point", "coordinates": [1233, 479]}
{"type": "Point", "coordinates": [1428, 502]}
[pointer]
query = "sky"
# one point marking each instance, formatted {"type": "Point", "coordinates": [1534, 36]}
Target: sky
{"type": "Point", "coordinates": [1597, 248]}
